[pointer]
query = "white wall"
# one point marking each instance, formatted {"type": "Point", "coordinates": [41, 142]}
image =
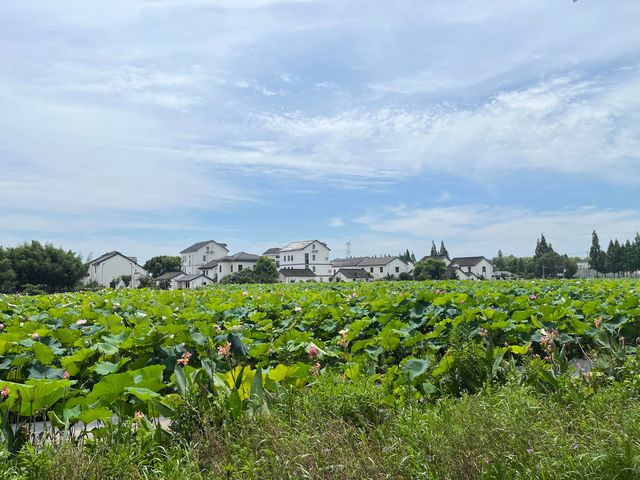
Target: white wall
{"type": "Point", "coordinates": [227, 268]}
{"type": "Point", "coordinates": [318, 260]}
{"type": "Point", "coordinates": [394, 268]}
{"type": "Point", "coordinates": [113, 268]}
{"type": "Point", "coordinates": [191, 261]}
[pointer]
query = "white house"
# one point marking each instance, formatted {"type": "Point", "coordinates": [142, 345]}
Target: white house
{"type": "Point", "coordinates": [221, 267]}
{"type": "Point", "coordinates": [307, 254]}
{"type": "Point", "coordinates": [194, 280]}
{"type": "Point", "coordinates": [169, 277]}
{"type": "Point", "coordinates": [198, 254]}
{"type": "Point", "coordinates": [350, 263]}
{"type": "Point", "coordinates": [297, 275]}
{"type": "Point", "coordinates": [479, 266]}
{"type": "Point", "coordinates": [113, 265]}
{"type": "Point", "coordinates": [381, 267]}
{"type": "Point", "coordinates": [351, 275]}
{"type": "Point", "coordinates": [273, 254]}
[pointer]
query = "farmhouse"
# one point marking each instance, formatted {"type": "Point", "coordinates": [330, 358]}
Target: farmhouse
{"type": "Point", "coordinates": [198, 254]}
{"type": "Point", "coordinates": [307, 255]}
{"type": "Point", "coordinates": [170, 278]}
{"type": "Point", "coordinates": [221, 267]}
{"type": "Point", "coordinates": [479, 266]}
{"type": "Point", "coordinates": [113, 265]}
{"type": "Point", "coordinates": [351, 275]}
{"type": "Point", "coordinates": [194, 280]}
{"type": "Point", "coordinates": [296, 275]}
{"type": "Point", "coordinates": [381, 267]}
{"type": "Point", "coordinates": [273, 254]}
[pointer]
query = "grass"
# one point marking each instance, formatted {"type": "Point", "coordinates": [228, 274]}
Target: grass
{"type": "Point", "coordinates": [337, 430]}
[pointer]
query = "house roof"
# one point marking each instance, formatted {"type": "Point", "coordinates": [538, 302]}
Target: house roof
{"type": "Point", "coordinates": [197, 246]}
{"type": "Point", "coordinates": [240, 257]}
{"type": "Point", "coordinates": [272, 251]}
{"type": "Point", "coordinates": [192, 276]}
{"type": "Point", "coordinates": [377, 261]}
{"type": "Point", "coordinates": [169, 275]}
{"type": "Point", "coordinates": [109, 255]}
{"type": "Point", "coordinates": [354, 273]}
{"type": "Point", "coordinates": [347, 262]}
{"type": "Point", "coordinates": [442, 258]}
{"type": "Point", "coordinates": [467, 261]}
{"type": "Point", "coordinates": [209, 264]}
{"type": "Point", "coordinates": [293, 246]}
{"type": "Point", "coordinates": [297, 272]}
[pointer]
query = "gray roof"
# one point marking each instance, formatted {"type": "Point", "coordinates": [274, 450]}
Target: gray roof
{"type": "Point", "coordinates": [297, 272]}
{"type": "Point", "coordinates": [192, 276]}
{"type": "Point", "coordinates": [197, 246]}
{"type": "Point", "coordinates": [467, 261]}
{"type": "Point", "coordinates": [238, 257]}
{"type": "Point", "coordinates": [377, 261]}
{"type": "Point", "coordinates": [293, 246]}
{"type": "Point", "coordinates": [354, 273]}
{"type": "Point", "coordinates": [168, 275]}
{"type": "Point", "coordinates": [347, 262]}
{"type": "Point", "coordinates": [272, 251]}
{"type": "Point", "coordinates": [209, 264]}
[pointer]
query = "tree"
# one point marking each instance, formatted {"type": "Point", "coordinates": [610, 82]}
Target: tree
{"type": "Point", "coordinates": [266, 270]}
{"type": "Point", "coordinates": [160, 264]}
{"type": "Point", "coordinates": [542, 247]}
{"type": "Point", "coordinates": [434, 250]}
{"type": "Point", "coordinates": [429, 269]}
{"type": "Point", "coordinates": [443, 250]}
{"type": "Point", "coordinates": [596, 255]}
{"type": "Point", "coordinates": [45, 265]}
{"type": "Point", "coordinates": [7, 275]}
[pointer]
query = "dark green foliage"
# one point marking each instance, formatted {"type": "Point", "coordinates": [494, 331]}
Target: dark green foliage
{"type": "Point", "coordinates": [596, 255]}
{"type": "Point", "coordinates": [265, 271]}
{"type": "Point", "coordinates": [156, 266]}
{"type": "Point", "coordinates": [434, 250]}
{"type": "Point", "coordinates": [429, 269]}
{"type": "Point", "coordinates": [43, 265]}
{"type": "Point", "coordinates": [443, 250]}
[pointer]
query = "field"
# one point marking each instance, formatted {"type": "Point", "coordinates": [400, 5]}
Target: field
{"type": "Point", "coordinates": [392, 379]}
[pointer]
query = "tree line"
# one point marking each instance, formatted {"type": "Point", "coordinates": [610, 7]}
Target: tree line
{"type": "Point", "coordinates": [620, 258]}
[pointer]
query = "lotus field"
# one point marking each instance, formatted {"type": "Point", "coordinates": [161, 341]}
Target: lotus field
{"type": "Point", "coordinates": [82, 358]}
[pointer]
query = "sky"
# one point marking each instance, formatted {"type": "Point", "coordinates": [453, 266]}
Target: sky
{"type": "Point", "coordinates": [146, 126]}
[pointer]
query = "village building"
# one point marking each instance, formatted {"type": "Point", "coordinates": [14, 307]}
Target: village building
{"type": "Point", "coordinates": [111, 266]}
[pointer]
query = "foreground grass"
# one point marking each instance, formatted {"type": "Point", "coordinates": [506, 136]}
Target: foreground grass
{"type": "Point", "coordinates": [343, 431]}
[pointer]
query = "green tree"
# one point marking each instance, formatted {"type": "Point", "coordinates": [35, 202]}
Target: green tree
{"type": "Point", "coordinates": [266, 270]}
{"type": "Point", "coordinates": [542, 247]}
{"type": "Point", "coordinates": [160, 264]}
{"type": "Point", "coordinates": [429, 269]}
{"type": "Point", "coordinates": [434, 250]}
{"type": "Point", "coordinates": [443, 250]}
{"type": "Point", "coordinates": [36, 264]}
{"type": "Point", "coordinates": [596, 255]}
{"type": "Point", "coordinates": [7, 275]}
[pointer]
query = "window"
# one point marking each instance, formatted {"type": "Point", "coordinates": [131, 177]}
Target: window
{"type": "Point", "coordinates": [306, 259]}
{"type": "Point", "coordinates": [314, 268]}
{"type": "Point", "coordinates": [232, 267]}
{"type": "Point", "coordinates": [239, 268]}
{"type": "Point", "coordinates": [220, 268]}
{"type": "Point", "coordinates": [204, 258]}
{"type": "Point", "coordinates": [381, 269]}
{"type": "Point", "coordinates": [371, 269]}
{"type": "Point", "coordinates": [468, 269]}
{"type": "Point", "coordinates": [313, 257]}
{"type": "Point", "coordinates": [397, 269]}
{"type": "Point", "coordinates": [313, 247]}
{"type": "Point", "coordinates": [484, 269]}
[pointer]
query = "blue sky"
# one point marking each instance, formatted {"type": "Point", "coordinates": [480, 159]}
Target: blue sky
{"type": "Point", "coordinates": [145, 126]}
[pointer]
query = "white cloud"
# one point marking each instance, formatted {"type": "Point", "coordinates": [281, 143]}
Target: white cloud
{"type": "Point", "coordinates": [482, 230]}
{"type": "Point", "coordinates": [336, 222]}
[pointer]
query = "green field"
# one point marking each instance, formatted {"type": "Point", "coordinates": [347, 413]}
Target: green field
{"type": "Point", "coordinates": [392, 379]}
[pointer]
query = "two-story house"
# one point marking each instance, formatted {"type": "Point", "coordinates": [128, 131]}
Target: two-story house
{"type": "Point", "coordinates": [478, 266]}
{"type": "Point", "coordinates": [113, 265]}
{"type": "Point", "coordinates": [307, 254]}
{"type": "Point", "coordinates": [273, 254]}
{"type": "Point", "coordinates": [193, 257]}
{"type": "Point", "coordinates": [221, 267]}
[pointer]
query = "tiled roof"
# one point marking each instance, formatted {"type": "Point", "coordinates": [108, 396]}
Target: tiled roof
{"type": "Point", "coordinates": [347, 262]}
{"type": "Point", "coordinates": [293, 246]}
{"type": "Point", "coordinates": [354, 273]}
{"type": "Point", "coordinates": [168, 275]}
{"type": "Point", "coordinates": [376, 261]}
{"type": "Point", "coordinates": [297, 272]}
{"type": "Point", "coordinates": [197, 246]}
{"type": "Point", "coordinates": [467, 261]}
{"type": "Point", "coordinates": [272, 251]}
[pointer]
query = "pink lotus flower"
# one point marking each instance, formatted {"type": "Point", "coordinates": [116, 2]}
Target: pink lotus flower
{"type": "Point", "coordinates": [35, 336]}
{"type": "Point", "coordinates": [184, 361]}
{"type": "Point", "coordinates": [245, 293]}
{"type": "Point", "coordinates": [225, 350]}
{"type": "Point", "coordinates": [313, 351]}
{"type": "Point", "coordinates": [529, 450]}
{"type": "Point", "coordinates": [81, 321]}
{"type": "Point", "coordinates": [1, 326]}
{"type": "Point", "coordinates": [4, 393]}
{"type": "Point", "coordinates": [533, 296]}
{"type": "Point", "coordinates": [65, 375]}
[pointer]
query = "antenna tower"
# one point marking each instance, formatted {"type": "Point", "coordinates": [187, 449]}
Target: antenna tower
{"type": "Point", "coordinates": [348, 248]}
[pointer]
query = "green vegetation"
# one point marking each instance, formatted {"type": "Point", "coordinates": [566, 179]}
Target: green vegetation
{"type": "Point", "coordinates": [160, 264]}
{"type": "Point", "coordinates": [382, 380]}
{"type": "Point", "coordinates": [34, 268]}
